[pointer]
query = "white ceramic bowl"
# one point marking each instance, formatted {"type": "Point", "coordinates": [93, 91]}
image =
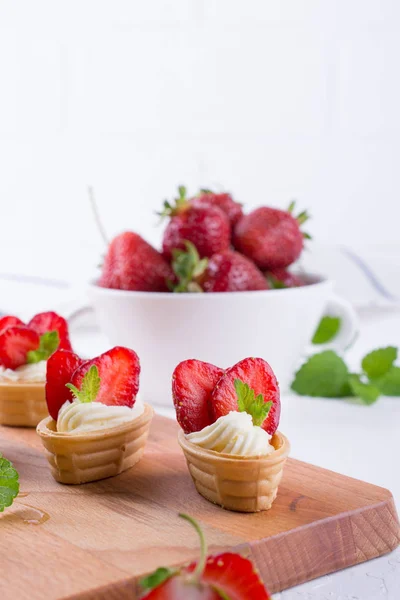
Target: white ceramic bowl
{"type": "Point", "coordinates": [221, 328]}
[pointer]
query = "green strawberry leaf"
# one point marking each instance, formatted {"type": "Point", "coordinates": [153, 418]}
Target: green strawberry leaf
{"type": "Point", "coordinates": [324, 375]}
{"type": "Point", "coordinates": [9, 485]}
{"type": "Point", "coordinates": [90, 386]}
{"type": "Point", "coordinates": [378, 362]}
{"type": "Point", "coordinates": [48, 344]}
{"type": "Point", "coordinates": [327, 330]}
{"type": "Point", "coordinates": [367, 392]}
{"type": "Point", "coordinates": [188, 267]}
{"type": "Point", "coordinates": [248, 402]}
{"type": "Point", "coordinates": [389, 383]}
{"type": "Point", "coordinates": [157, 578]}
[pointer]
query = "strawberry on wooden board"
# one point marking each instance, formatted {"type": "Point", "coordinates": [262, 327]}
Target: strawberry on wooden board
{"type": "Point", "coordinates": [272, 238]}
{"type": "Point", "coordinates": [119, 371]}
{"type": "Point", "coordinates": [230, 271]}
{"type": "Point", "coordinates": [132, 264]}
{"type": "Point", "coordinates": [226, 576]}
{"type": "Point", "coordinates": [192, 384]}
{"type": "Point", "coordinates": [207, 227]}
{"type": "Point", "coordinates": [51, 321]}
{"type": "Point", "coordinates": [15, 343]}
{"type": "Point", "coordinates": [282, 278]}
{"type": "Point", "coordinates": [9, 321]}
{"type": "Point", "coordinates": [223, 200]}
{"type": "Point", "coordinates": [260, 378]}
{"type": "Point", "coordinates": [60, 367]}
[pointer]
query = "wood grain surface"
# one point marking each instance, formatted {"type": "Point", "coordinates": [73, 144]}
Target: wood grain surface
{"type": "Point", "coordinates": [93, 541]}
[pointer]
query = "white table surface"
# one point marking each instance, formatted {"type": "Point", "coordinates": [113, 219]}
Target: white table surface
{"type": "Point", "coordinates": [335, 434]}
{"type": "Point", "coordinates": [345, 437]}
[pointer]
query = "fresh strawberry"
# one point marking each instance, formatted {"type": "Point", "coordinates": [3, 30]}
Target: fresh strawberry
{"type": "Point", "coordinates": [282, 278]}
{"type": "Point", "coordinates": [119, 370]}
{"type": "Point", "coordinates": [207, 227]}
{"type": "Point", "coordinates": [230, 271]}
{"type": "Point", "coordinates": [132, 264]}
{"type": "Point", "coordinates": [60, 367]}
{"type": "Point", "coordinates": [15, 343]}
{"type": "Point", "coordinates": [192, 384]}
{"type": "Point", "coordinates": [258, 375]}
{"type": "Point", "coordinates": [9, 321]}
{"type": "Point", "coordinates": [270, 237]}
{"type": "Point", "coordinates": [224, 201]}
{"type": "Point", "coordinates": [51, 321]}
{"type": "Point", "coordinates": [217, 577]}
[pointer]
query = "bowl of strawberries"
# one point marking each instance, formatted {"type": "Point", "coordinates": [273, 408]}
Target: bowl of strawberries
{"type": "Point", "coordinates": [219, 289]}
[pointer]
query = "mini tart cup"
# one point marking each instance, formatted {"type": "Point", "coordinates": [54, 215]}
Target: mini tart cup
{"type": "Point", "coordinates": [22, 404]}
{"type": "Point", "coordinates": [94, 455]}
{"type": "Point", "coordinates": [243, 484]}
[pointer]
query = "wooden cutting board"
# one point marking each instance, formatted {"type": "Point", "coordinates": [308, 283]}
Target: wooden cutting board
{"type": "Point", "coordinates": [93, 541]}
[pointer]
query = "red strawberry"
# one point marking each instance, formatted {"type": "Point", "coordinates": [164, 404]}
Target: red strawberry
{"type": "Point", "coordinates": [230, 271]}
{"type": "Point", "coordinates": [51, 321]}
{"type": "Point", "coordinates": [259, 376]}
{"type": "Point", "coordinates": [9, 321]}
{"type": "Point", "coordinates": [217, 577]}
{"type": "Point", "coordinates": [207, 227]}
{"type": "Point", "coordinates": [270, 237]}
{"type": "Point", "coordinates": [119, 370]}
{"type": "Point", "coordinates": [15, 343]}
{"type": "Point", "coordinates": [192, 384]}
{"type": "Point", "coordinates": [282, 278]}
{"type": "Point", "coordinates": [60, 367]}
{"type": "Point", "coordinates": [132, 264]}
{"type": "Point", "coordinates": [224, 201]}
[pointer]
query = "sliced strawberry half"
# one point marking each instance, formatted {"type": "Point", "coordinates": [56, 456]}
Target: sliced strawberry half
{"type": "Point", "coordinates": [234, 576]}
{"type": "Point", "coordinates": [9, 321]}
{"type": "Point", "coordinates": [259, 376]}
{"type": "Point", "coordinates": [60, 367]}
{"type": "Point", "coordinates": [15, 343]}
{"type": "Point", "coordinates": [51, 321]}
{"type": "Point", "coordinates": [119, 371]}
{"type": "Point", "coordinates": [192, 384]}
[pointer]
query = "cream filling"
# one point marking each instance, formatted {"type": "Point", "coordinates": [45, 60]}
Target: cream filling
{"type": "Point", "coordinates": [233, 433]}
{"type": "Point", "coordinates": [35, 372]}
{"type": "Point", "coordinates": [79, 417]}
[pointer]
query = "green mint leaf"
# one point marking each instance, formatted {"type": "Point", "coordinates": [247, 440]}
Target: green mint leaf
{"type": "Point", "coordinates": [90, 386]}
{"type": "Point", "coordinates": [9, 485]}
{"type": "Point", "coordinates": [378, 362]}
{"type": "Point", "coordinates": [327, 329]}
{"type": "Point", "coordinates": [324, 375]}
{"type": "Point", "coordinates": [367, 392]}
{"type": "Point", "coordinates": [389, 383]}
{"type": "Point", "coordinates": [157, 578]}
{"type": "Point", "coordinates": [274, 283]}
{"type": "Point", "coordinates": [248, 402]}
{"type": "Point", "coordinates": [48, 344]}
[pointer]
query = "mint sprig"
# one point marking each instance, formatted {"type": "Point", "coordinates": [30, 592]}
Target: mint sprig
{"type": "Point", "coordinates": [250, 403]}
{"type": "Point", "coordinates": [326, 375]}
{"type": "Point", "coordinates": [327, 330]}
{"type": "Point", "coordinates": [90, 386]}
{"type": "Point", "coordinates": [9, 484]}
{"type": "Point", "coordinates": [48, 344]}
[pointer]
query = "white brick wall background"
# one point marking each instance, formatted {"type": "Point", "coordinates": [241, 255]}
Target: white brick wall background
{"type": "Point", "coordinates": [273, 100]}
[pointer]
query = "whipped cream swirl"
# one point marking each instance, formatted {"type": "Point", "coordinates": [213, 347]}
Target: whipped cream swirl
{"type": "Point", "coordinates": [233, 433]}
{"type": "Point", "coordinates": [80, 417]}
{"type": "Point", "coordinates": [35, 372]}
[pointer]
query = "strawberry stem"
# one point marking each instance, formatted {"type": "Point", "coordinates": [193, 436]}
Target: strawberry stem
{"type": "Point", "coordinates": [197, 573]}
{"type": "Point", "coordinates": [96, 215]}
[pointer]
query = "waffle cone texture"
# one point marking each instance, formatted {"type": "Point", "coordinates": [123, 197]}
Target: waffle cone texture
{"type": "Point", "coordinates": [22, 404]}
{"type": "Point", "coordinates": [243, 484]}
{"type": "Point", "coordinates": [94, 455]}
